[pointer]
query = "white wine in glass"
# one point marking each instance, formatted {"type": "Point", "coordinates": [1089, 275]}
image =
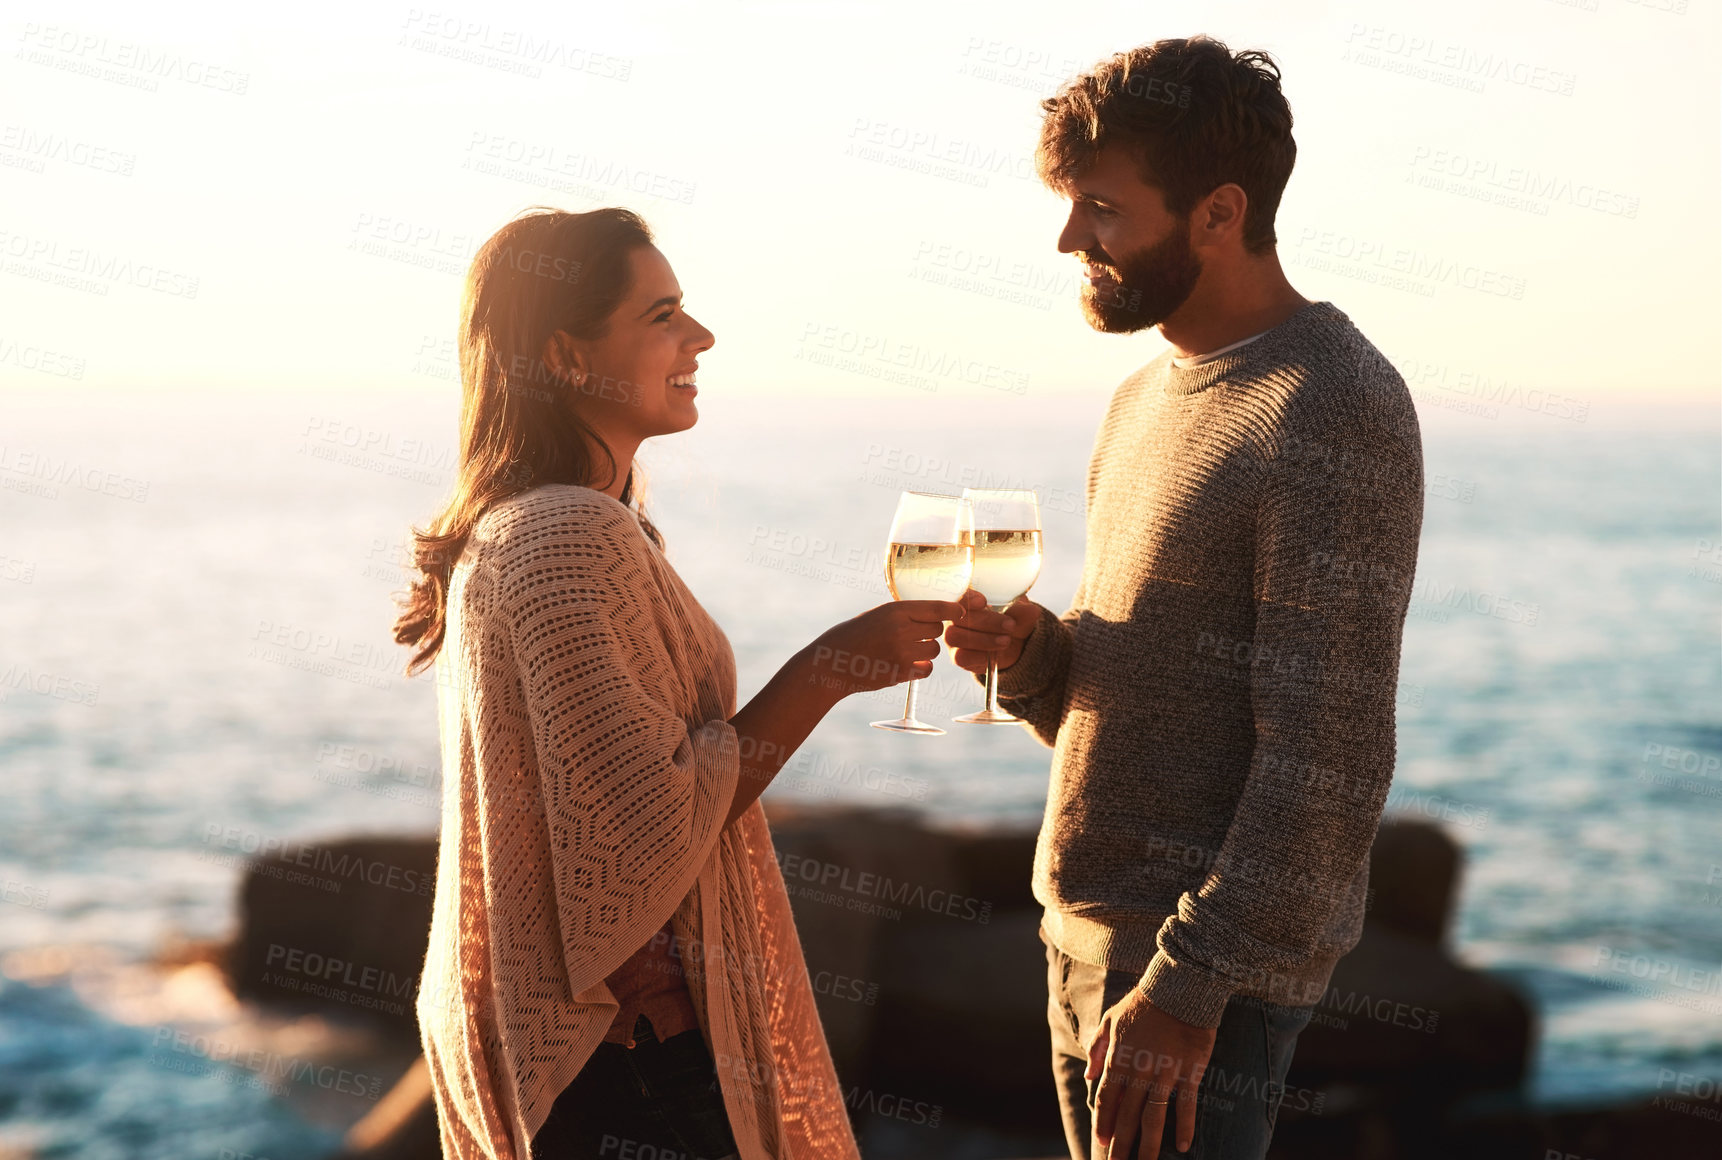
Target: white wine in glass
{"type": "Point", "coordinates": [930, 556]}
{"type": "Point", "coordinates": [1007, 563]}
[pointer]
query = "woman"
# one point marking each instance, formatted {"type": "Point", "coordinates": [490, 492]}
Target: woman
{"type": "Point", "coordinates": [612, 958]}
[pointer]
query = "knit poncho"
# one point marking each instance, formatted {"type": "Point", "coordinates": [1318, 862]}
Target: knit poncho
{"type": "Point", "coordinates": [584, 697]}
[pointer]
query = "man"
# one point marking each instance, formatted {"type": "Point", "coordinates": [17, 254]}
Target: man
{"type": "Point", "coordinates": [1220, 695]}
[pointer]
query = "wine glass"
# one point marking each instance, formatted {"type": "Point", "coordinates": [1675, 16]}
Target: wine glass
{"type": "Point", "coordinates": [929, 558]}
{"type": "Point", "coordinates": [1007, 563]}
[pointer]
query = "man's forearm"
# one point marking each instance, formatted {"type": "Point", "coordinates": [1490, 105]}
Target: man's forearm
{"type": "Point", "coordinates": [1033, 687]}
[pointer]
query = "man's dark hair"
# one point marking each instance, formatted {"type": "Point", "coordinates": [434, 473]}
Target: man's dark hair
{"type": "Point", "coordinates": [1195, 115]}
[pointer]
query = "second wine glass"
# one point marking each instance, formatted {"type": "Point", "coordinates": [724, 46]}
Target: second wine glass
{"type": "Point", "coordinates": [1007, 563]}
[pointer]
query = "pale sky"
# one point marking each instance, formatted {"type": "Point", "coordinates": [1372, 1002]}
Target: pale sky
{"type": "Point", "coordinates": [285, 195]}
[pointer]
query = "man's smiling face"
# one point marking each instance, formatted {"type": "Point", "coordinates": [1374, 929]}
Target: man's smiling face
{"type": "Point", "coordinates": [1138, 263]}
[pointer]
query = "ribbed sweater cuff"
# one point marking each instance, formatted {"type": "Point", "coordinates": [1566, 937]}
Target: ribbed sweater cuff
{"type": "Point", "coordinates": [1185, 992]}
{"type": "Point", "coordinates": [1033, 669]}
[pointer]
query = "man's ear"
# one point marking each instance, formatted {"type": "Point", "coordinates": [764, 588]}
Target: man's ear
{"type": "Point", "coordinates": [563, 355]}
{"type": "Point", "coordinates": [1221, 215]}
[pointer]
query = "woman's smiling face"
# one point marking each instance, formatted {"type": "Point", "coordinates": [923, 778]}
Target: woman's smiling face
{"type": "Point", "coordinates": [638, 380]}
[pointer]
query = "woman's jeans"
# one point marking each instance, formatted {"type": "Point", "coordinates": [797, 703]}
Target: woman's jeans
{"type": "Point", "coordinates": [653, 1101]}
{"type": "Point", "coordinates": [1240, 1092]}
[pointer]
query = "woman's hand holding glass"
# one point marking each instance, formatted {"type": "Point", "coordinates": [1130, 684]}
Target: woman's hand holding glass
{"type": "Point", "coordinates": [881, 647]}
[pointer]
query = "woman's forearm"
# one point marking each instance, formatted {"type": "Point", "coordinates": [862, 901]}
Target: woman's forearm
{"type": "Point", "coordinates": [773, 725]}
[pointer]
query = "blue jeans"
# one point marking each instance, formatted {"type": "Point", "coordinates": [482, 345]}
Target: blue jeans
{"type": "Point", "coordinates": [1240, 1093]}
{"type": "Point", "coordinates": [657, 1100]}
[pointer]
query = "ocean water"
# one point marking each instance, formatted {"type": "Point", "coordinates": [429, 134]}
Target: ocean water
{"type": "Point", "coordinates": [195, 660]}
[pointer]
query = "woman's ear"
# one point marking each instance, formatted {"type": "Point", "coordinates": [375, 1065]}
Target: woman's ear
{"type": "Point", "coordinates": [565, 358]}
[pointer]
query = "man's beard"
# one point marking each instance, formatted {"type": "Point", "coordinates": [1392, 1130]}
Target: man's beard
{"type": "Point", "coordinates": [1147, 287]}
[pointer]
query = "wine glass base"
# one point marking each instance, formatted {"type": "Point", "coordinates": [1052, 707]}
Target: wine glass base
{"type": "Point", "coordinates": [909, 725]}
{"type": "Point", "coordinates": [987, 717]}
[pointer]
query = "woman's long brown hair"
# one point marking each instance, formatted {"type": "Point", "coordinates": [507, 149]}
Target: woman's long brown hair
{"type": "Point", "coordinates": [544, 272]}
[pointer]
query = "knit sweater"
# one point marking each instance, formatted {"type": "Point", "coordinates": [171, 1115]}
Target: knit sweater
{"type": "Point", "coordinates": [584, 698]}
{"type": "Point", "coordinates": [1220, 694]}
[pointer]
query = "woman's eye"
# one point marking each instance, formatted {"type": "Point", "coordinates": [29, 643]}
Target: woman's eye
{"type": "Point", "coordinates": [664, 317]}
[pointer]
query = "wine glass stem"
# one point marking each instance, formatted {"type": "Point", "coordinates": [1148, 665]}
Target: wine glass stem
{"type": "Point", "coordinates": [993, 685]}
{"type": "Point", "coordinates": [909, 703]}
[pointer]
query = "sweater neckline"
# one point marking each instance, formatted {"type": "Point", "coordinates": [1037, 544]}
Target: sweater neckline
{"type": "Point", "coordinates": [1195, 379]}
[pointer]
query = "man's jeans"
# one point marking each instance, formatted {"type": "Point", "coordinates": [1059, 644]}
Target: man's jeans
{"type": "Point", "coordinates": [1240, 1092]}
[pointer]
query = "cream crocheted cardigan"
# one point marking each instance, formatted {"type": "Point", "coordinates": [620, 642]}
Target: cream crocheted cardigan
{"type": "Point", "coordinates": [583, 697]}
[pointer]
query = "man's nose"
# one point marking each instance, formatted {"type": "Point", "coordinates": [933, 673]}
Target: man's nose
{"type": "Point", "coordinates": [1075, 235]}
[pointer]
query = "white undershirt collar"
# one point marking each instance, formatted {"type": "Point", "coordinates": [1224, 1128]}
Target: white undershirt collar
{"type": "Point", "coordinates": [1199, 359]}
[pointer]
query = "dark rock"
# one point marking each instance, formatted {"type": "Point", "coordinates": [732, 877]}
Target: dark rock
{"type": "Point", "coordinates": [1400, 1014]}
{"type": "Point", "coordinates": [962, 1020]}
{"type": "Point", "coordinates": [844, 871]}
{"type": "Point", "coordinates": [338, 926]}
{"type": "Point", "coordinates": [1413, 880]}
{"type": "Point", "coordinates": [1403, 1033]}
{"type": "Point", "coordinates": [940, 924]}
{"type": "Point", "coordinates": [930, 981]}
{"type": "Point", "coordinates": [1681, 1130]}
